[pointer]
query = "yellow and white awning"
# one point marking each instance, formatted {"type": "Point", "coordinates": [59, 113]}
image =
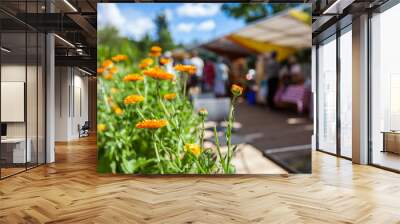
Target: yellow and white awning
{"type": "Point", "coordinates": [284, 33]}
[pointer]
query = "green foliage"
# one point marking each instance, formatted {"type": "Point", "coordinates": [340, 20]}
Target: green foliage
{"type": "Point", "coordinates": [253, 11]}
{"type": "Point", "coordinates": [164, 38]}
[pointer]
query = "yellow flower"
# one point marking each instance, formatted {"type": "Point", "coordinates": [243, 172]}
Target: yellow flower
{"type": "Point", "coordinates": [133, 77]}
{"type": "Point", "coordinates": [236, 90]}
{"type": "Point", "coordinates": [189, 69]}
{"type": "Point", "coordinates": [113, 70]}
{"type": "Point", "coordinates": [155, 51]}
{"type": "Point", "coordinates": [132, 99]}
{"type": "Point", "coordinates": [170, 96]}
{"type": "Point", "coordinates": [107, 64]}
{"type": "Point", "coordinates": [146, 63]}
{"type": "Point", "coordinates": [101, 127]}
{"type": "Point", "coordinates": [108, 76]}
{"type": "Point", "coordinates": [114, 90]}
{"type": "Point", "coordinates": [203, 112]}
{"type": "Point", "coordinates": [193, 148]}
{"type": "Point", "coordinates": [100, 70]}
{"type": "Point", "coordinates": [157, 73]}
{"type": "Point", "coordinates": [164, 61]}
{"type": "Point", "coordinates": [152, 124]}
{"type": "Point", "coordinates": [119, 57]}
{"type": "Point", "coordinates": [118, 110]}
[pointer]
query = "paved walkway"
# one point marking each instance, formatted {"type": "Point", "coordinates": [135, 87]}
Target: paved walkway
{"type": "Point", "coordinates": [283, 137]}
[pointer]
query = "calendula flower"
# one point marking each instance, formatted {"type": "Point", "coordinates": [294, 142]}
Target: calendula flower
{"type": "Point", "coordinates": [155, 51]}
{"type": "Point", "coordinates": [189, 69]}
{"type": "Point", "coordinates": [164, 61]}
{"type": "Point", "coordinates": [157, 73]}
{"type": "Point", "coordinates": [118, 110]}
{"type": "Point", "coordinates": [107, 64]}
{"type": "Point", "coordinates": [119, 57]}
{"type": "Point", "coordinates": [193, 148]}
{"type": "Point", "coordinates": [101, 127]}
{"type": "Point", "coordinates": [132, 99]}
{"type": "Point", "coordinates": [108, 76]}
{"type": "Point", "coordinates": [133, 78]}
{"type": "Point", "coordinates": [114, 90]}
{"type": "Point", "coordinates": [100, 70]}
{"type": "Point", "coordinates": [236, 90]}
{"type": "Point", "coordinates": [203, 112]}
{"type": "Point", "coordinates": [152, 124]}
{"type": "Point", "coordinates": [170, 96]}
{"type": "Point", "coordinates": [146, 63]}
{"type": "Point", "coordinates": [113, 70]}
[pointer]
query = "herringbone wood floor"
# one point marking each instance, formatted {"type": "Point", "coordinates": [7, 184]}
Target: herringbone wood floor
{"type": "Point", "coordinates": [70, 191]}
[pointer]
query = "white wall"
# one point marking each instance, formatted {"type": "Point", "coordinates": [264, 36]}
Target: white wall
{"type": "Point", "coordinates": [70, 83]}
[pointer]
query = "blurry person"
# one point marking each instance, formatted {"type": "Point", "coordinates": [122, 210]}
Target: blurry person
{"type": "Point", "coordinates": [209, 75]}
{"type": "Point", "coordinates": [169, 65]}
{"type": "Point", "coordinates": [272, 75]}
{"type": "Point", "coordinates": [221, 77]}
{"type": "Point", "coordinates": [199, 63]}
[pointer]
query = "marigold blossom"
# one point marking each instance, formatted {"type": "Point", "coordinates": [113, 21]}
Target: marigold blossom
{"type": "Point", "coordinates": [132, 99]}
{"type": "Point", "coordinates": [118, 110]}
{"type": "Point", "coordinates": [146, 63]}
{"type": "Point", "coordinates": [133, 77]}
{"type": "Point", "coordinates": [155, 51]}
{"type": "Point", "coordinates": [108, 76]}
{"type": "Point", "coordinates": [203, 112]}
{"type": "Point", "coordinates": [107, 64]}
{"type": "Point", "coordinates": [101, 127]}
{"type": "Point", "coordinates": [193, 148]}
{"type": "Point", "coordinates": [164, 61]}
{"type": "Point", "coordinates": [170, 96]}
{"type": "Point", "coordinates": [189, 69]}
{"type": "Point", "coordinates": [113, 70]}
{"type": "Point", "coordinates": [119, 57]}
{"type": "Point", "coordinates": [100, 70]}
{"type": "Point", "coordinates": [157, 73]}
{"type": "Point", "coordinates": [152, 124]}
{"type": "Point", "coordinates": [236, 90]}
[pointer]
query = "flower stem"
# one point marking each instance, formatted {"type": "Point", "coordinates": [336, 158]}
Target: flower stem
{"type": "Point", "coordinates": [157, 154]}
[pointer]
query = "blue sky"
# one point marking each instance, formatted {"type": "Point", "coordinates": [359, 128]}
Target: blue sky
{"type": "Point", "coordinates": [187, 21]}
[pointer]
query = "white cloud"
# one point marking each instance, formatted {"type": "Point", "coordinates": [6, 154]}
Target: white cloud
{"type": "Point", "coordinates": [207, 25]}
{"type": "Point", "coordinates": [198, 9]}
{"type": "Point", "coordinates": [169, 14]}
{"type": "Point", "coordinates": [185, 27]}
{"type": "Point", "coordinates": [139, 27]}
{"type": "Point", "coordinates": [109, 14]}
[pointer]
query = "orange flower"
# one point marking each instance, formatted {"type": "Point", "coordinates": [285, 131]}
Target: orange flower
{"type": "Point", "coordinates": [155, 51]}
{"type": "Point", "coordinates": [132, 99]}
{"type": "Point", "coordinates": [113, 70]}
{"type": "Point", "coordinates": [193, 148]}
{"type": "Point", "coordinates": [145, 63]}
{"type": "Point", "coordinates": [107, 64]}
{"type": "Point", "coordinates": [152, 124]}
{"type": "Point", "coordinates": [100, 70]}
{"type": "Point", "coordinates": [190, 69]}
{"type": "Point", "coordinates": [108, 76]}
{"type": "Point", "coordinates": [164, 61]}
{"type": "Point", "coordinates": [157, 73]}
{"type": "Point", "coordinates": [170, 96]}
{"type": "Point", "coordinates": [133, 78]}
{"type": "Point", "coordinates": [236, 90]}
{"type": "Point", "coordinates": [119, 57]}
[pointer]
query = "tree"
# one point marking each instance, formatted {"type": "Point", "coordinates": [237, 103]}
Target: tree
{"type": "Point", "coordinates": [251, 12]}
{"type": "Point", "coordinates": [164, 38]}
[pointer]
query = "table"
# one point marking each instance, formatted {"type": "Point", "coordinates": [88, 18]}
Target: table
{"type": "Point", "coordinates": [391, 141]}
{"type": "Point", "coordinates": [15, 148]}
